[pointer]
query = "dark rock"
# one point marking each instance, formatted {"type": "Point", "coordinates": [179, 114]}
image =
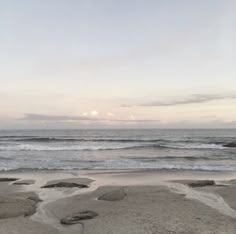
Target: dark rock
{"type": "Point", "coordinates": [7, 179]}
{"type": "Point", "coordinates": [20, 183]}
{"type": "Point", "coordinates": [222, 185]}
{"type": "Point", "coordinates": [231, 145]}
{"type": "Point", "coordinates": [115, 195]}
{"type": "Point", "coordinates": [77, 217]}
{"type": "Point", "coordinates": [65, 185]}
{"type": "Point", "coordinates": [202, 183]}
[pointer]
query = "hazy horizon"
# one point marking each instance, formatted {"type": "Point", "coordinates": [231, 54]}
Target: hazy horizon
{"type": "Point", "coordinates": [117, 64]}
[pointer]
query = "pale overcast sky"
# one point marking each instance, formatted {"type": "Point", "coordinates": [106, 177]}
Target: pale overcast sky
{"type": "Point", "coordinates": [110, 63]}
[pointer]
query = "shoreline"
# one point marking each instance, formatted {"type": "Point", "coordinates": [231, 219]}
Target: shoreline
{"type": "Point", "coordinates": [59, 202]}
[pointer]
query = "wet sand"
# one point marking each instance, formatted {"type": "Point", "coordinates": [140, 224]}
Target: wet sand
{"type": "Point", "coordinates": [123, 202]}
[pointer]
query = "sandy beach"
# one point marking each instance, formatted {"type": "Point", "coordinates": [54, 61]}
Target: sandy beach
{"type": "Point", "coordinates": [117, 202]}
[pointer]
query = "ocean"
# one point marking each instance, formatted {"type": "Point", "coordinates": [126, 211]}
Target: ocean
{"type": "Point", "coordinates": [207, 150]}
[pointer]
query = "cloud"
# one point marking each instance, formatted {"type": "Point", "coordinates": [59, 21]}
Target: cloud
{"type": "Point", "coordinates": [135, 120]}
{"type": "Point", "coordinates": [110, 114]}
{"type": "Point", "coordinates": [39, 117]}
{"type": "Point", "coordinates": [65, 118]}
{"type": "Point", "coordinates": [193, 99]}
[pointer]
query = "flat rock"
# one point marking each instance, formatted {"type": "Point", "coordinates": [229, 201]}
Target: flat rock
{"type": "Point", "coordinates": [22, 225]}
{"type": "Point", "coordinates": [77, 217]}
{"type": "Point", "coordinates": [68, 183]}
{"type": "Point", "coordinates": [65, 185]}
{"type": "Point", "coordinates": [115, 195]}
{"type": "Point", "coordinates": [231, 144]}
{"type": "Point", "coordinates": [202, 183]}
{"type": "Point", "coordinates": [19, 204]}
{"type": "Point", "coordinates": [7, 179]}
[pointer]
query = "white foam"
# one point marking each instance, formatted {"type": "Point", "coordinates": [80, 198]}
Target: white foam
{"type": "Point", "coordinates": [194, 146]}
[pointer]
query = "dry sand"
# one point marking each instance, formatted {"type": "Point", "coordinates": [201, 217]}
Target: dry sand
{"type": "Point", "coordinates": [125, 203]}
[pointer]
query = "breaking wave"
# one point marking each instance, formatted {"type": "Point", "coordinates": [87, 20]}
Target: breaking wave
{"type": "Point", "coordinates": [118, 146]}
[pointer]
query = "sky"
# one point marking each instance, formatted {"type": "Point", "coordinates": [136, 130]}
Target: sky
{"type": "Point", "coordinates": [117, 64]}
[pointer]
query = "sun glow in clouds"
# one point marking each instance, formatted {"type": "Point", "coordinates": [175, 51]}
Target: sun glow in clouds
{"type": "Point", "coordinates": [94, 113]}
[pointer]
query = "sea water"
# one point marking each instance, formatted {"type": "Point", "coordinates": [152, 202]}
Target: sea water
{"type": "Point", "coordinates": [157, 149]}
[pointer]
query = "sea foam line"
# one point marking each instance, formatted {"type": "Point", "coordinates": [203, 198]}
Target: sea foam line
{"type": "Point", "coordinates": [210, 199]}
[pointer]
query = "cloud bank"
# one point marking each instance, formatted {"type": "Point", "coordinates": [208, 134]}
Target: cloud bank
{"type": "Point", "coordinates": [65, 118]}
{"type": "Point", "coordinates": [39, 117]}
{"type": "Point", "coordinates": [193, 99]}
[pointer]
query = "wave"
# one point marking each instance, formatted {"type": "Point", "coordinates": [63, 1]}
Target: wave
{"type": "Point", "coordinates": [194, 146]}
{"type": "Point", "coordinates": [177, 158]}
{"type": "Point", "coordinates": [25, 147]}
{"type": "Point", "coordinates": [124, 167]}
{"type": "Point", "coordinates": [61, 139]}
{"type": "Point", "coordinates": [90, 139]}
{"type": "Point", "coordinates": [89, 147]}
{"type": "Point", "coordinates": [13, 136]}
{"type": "Point", "coordinates": [29, 142]}
{"type": "Point", "coordinates": [6, 159]}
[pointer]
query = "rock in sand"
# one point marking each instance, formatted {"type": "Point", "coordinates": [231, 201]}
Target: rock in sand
{"type": "Point", "coordinates": [19, 204]}
{"type": "Point", "coordinates": [7, 179]}
{"type": "Point", "coordinates": [77, 217]}
{"type": "Point", "coordinates": [202, 183]}
{"type": "Point", "coordinates": [65, 185]}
